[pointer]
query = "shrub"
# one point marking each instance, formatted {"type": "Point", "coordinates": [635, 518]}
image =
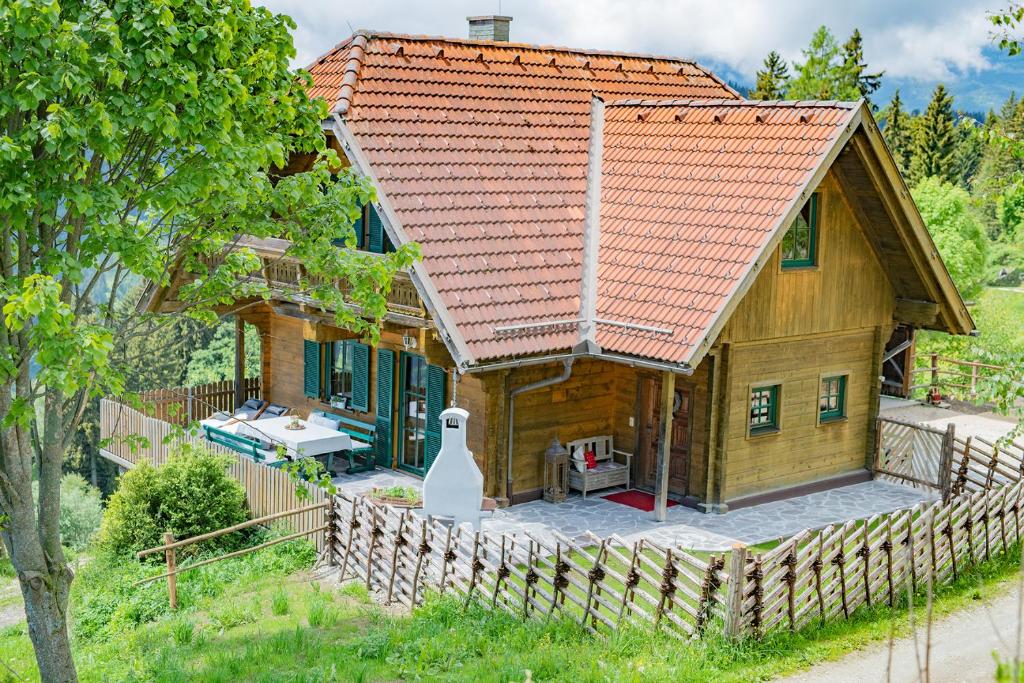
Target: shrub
{"type": "Point", "coordinates": [81, 510]}
{"type": "Point", "coordinates": [190, 495]}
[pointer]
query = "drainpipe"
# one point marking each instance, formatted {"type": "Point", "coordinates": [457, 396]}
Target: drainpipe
{"type": "Point", "coordinates": [550, 381]}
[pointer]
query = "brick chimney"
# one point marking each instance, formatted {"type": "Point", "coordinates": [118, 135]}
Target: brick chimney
{"type": "Point", "coordinates": [490, 27]}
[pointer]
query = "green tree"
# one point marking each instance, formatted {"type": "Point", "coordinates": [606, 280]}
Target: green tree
{"type": "Point", "coordinates": [957, 231]}
{"type": "Point", "coordinates": [821, 76]}
{"type": "Point", "coordinates": [855, 75]}
{"type": "Point", "coordinates": [216, 360]}
{"type": "Point", "coordinates": [967, 152]}
{"type": "Point", "coordinates": [772, 79]}
{"type": "Point", "coordinates": [897, 131]}
{"type": "Point", "coordinates": [935, 140]}
{"type": "Point", "coordinates": [137, 138]}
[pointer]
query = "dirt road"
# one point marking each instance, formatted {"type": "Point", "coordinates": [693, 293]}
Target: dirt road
{"type": "Point", "coordinates": [962, 647]}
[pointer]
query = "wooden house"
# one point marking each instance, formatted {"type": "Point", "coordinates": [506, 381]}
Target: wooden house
{"type": "Point", "coordinates": [613, 244]}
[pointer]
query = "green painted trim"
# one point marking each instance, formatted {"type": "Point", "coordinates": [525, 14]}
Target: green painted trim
{"type": "Point", "coordinates": [839, 412]}
{"type": "Point", "coordinates": [812, 258]}
{"type": "Point", "coordinates": [773, 412]}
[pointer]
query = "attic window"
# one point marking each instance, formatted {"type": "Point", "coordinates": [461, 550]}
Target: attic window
{"type": "Point", "coordinates": [799, 245]}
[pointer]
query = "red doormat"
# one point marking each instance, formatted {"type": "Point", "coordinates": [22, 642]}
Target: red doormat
{"type": "Point", "coordinates": [641, 500]}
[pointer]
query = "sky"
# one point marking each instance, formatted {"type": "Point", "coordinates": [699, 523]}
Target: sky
{"type": "Point", "coordinates": [918, 43]}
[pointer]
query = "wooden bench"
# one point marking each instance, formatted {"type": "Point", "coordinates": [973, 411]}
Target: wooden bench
{"type": "Point", "coordinates": [608, 472]}
{"type": "Point", "coordinates": [359, 431]}
{"type": "Point", "coordinates": [240, 444]}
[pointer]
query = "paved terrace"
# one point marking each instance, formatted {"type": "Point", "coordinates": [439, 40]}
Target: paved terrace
{"type": "Point", "coordinates": [689, 528]}
{"type": "Point", "coordinates": [684, 527]}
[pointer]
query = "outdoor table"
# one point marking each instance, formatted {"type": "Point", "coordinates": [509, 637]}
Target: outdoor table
{"type": "Point", "coordinates": [301, 443]}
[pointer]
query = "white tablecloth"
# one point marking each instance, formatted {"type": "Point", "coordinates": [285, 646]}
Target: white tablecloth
{"type": "Point", "coordinates": [313, 440]}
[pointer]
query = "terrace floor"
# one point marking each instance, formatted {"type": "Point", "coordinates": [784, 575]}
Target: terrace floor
{"type": "Point", "coordinates": [684, 527]}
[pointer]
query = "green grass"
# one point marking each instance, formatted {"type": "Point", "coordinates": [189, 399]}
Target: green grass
{"type": "Point", "coordinates": [331, 633]}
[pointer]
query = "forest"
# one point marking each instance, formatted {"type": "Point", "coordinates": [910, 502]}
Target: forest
{"type": "Point", "coordinates": [964, 171]}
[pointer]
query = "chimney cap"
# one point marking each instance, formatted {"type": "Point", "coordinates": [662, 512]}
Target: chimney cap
{"type": "Point", "coordinates": [489, 27]}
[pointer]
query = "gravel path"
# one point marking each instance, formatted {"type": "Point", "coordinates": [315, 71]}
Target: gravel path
{"type": "Point", "coordinates": [962, 648]}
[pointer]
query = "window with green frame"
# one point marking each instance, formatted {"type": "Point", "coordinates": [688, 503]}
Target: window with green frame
{"type": "Point", "coordinates": [764, 409]}
{"type": "Point", "coordinates": [799, 244]}
{"type": "Point", "coordinates": [832, 400]}
{"type": "Point", "coordinates": [339, 382]}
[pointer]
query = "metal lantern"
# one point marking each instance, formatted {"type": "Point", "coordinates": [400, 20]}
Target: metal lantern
{"type": "Point", "coordinates": [556, 472]}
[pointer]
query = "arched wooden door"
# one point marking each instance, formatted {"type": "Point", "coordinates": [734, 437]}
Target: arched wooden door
{"type": "Point", "coordinates": [650, 431]}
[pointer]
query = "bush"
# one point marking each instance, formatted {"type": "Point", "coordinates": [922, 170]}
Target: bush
{"type": "Point", "coordinates": [190, 495]}
{"type": "Point", "coordinates": [81, 510]}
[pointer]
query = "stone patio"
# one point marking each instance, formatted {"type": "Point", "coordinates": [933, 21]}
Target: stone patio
{"type": "Point", "coordinates": [684, 527]}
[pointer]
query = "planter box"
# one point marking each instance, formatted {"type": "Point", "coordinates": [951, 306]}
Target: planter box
{"type": "Point", "coordinates": [394, 501]}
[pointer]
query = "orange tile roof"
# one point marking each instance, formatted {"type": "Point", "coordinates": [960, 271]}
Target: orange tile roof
{"type": "Point", "coordinates": [691, 193]}
{"type": "Point", "coordinates": [481, 148]}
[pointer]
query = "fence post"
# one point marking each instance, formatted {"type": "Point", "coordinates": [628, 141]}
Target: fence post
{"type": "Point", "coordinates": [737, 584]}
{"type": "Point", "coordinates": [935, 369]}
{"type": "Point", "coordinates": [172, 567]}
{"type": "Point", "coordinates": [188, 405]}
{"type": "Point", "coordinates": [946, 461]}
{"type": "Point", "coordinates": [331, 522]}
{"type": "Point", "coordinates": [974, 378]}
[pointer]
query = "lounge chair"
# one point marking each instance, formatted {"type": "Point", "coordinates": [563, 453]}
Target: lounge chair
{"type": "Point", "coordinates": [273, 410]}
{"type": "Point", "coordinates": [251, 409]}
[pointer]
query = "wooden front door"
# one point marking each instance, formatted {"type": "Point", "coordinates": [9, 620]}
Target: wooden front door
{"type": "Point", "coordinates": [650, 434]}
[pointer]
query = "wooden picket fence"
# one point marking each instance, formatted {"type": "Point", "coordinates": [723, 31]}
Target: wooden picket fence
{"type": "Point", "coordinates": [129, 436]}
{"type": "Point", "coordinates": [605, 583]}
{"type": "Point", "coordinates": [962, 379]}
{"type": "Point", "coordinates": [602, 584]}
{"type": "Point", "coordinates": [182, 405]}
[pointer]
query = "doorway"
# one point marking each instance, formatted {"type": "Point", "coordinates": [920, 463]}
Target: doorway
{"type": "Point", "coordinates": [650, 435]}
{"type": "Point", "coordinates": [412, 414]}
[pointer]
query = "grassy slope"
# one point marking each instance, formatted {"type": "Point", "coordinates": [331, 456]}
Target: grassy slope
{"type": "Point", "coordinates": [270, 628]}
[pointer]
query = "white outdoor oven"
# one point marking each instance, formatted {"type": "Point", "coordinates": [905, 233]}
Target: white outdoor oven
{"type": "Point", "coordinates": [454, 486]}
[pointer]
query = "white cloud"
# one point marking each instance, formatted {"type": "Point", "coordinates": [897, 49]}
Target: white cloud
{"type": "Point", "coordinates": [918, 39]}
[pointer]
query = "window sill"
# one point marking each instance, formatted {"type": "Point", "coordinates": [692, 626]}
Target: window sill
{"type": "Point", "coordinates": [754, 434]}
{"type": "Point", "coordinates": [822, 421]}
{"type": "Point", "coordinates": [795, 268]}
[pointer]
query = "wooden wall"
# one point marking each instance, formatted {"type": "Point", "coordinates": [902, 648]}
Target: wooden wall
{"type": "Point", "coordinates": [802, 450]}
{"type": "Point", "coordinates": [598, 399]}
{"type": "Point", "coordinates": [700, 427]}
{"type": "Point", "coordinates": [848, 289]}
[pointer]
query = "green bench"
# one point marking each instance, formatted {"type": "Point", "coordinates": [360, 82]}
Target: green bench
{"type": "Point", "coordinates": [239, 444]}
{"type": "Point", "coordinates": [359, 459]}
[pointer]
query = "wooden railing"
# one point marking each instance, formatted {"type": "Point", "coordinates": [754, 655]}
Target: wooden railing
{"type": "Point", "coordinates": [959, 378]}
{"type": "Point", "coordinates": [183, 405]}
{"type": "Point", "coordinates": [129, 437]}
{"type": "Point", "coordinates": [403, 298]}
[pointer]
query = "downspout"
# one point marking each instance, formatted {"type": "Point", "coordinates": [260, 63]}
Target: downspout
{"type": "Point", "coordinates": [547, 382]}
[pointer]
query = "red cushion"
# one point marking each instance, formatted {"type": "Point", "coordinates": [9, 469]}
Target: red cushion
{"type": "Point", "coordinates": [591, 459]}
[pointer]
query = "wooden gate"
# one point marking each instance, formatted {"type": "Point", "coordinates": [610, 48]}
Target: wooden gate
{"type": "Point", "coordinates": [915, 454]}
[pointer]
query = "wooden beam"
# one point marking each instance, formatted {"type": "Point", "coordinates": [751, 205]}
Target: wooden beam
{"type": "Point", "coordinates": [239, 361]}
{"type": "Point", "coordinates": [914, 312]}
{"type": "Point", "coordinates": [668, 390]}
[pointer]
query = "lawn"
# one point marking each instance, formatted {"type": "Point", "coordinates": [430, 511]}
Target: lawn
{"type": "Point", "coordinates": [259, 621]}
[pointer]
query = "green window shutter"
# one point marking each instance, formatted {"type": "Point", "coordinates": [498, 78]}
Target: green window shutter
{"type": "Point", "coordinates": [376, 232]}
{"type": "Point", "coordinates": [436, 380]}
{"type": "Point", "coordinates": [358, 227]}
{"type": "Point", "coordinates": [360, 376]}
{"type": "Point", "coordinates": [385, 393]}
{"type": "Point", "coordinates": [310, 368]}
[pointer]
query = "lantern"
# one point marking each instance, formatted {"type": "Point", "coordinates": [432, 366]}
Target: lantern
{"type": "Point", "coordinates": [556, 472]}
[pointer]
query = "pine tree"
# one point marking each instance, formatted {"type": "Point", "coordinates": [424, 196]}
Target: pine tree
{"type": "Point", "coordinates": [854, 69]}
{"type": "Point", "coordinates": [970, 146]}
{"type": "Point", "coordinates": [821, 75]}
{"type": "Point", "coordinates": [935, 140]}
{"type": "Point", "coordinates": [772, 79]}
{"type": "Point", "coordinates": [897, 132]}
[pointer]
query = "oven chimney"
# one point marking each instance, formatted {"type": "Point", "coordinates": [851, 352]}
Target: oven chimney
{"type": "Point", "coordinates": [490, 27]}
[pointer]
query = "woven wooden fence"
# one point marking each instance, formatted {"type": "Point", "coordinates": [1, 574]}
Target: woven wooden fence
{"type": "Point", "coordinates": [600, 583]}
{"type": "Point", "coordinates": [184, 404]}
{"type": "Point", "coordinates": [130, 436]}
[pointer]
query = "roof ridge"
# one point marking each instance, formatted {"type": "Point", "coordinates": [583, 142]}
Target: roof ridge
{"type": "Point", "coordinates": [722, 102]}
{"type": "Point", "coordinates": [372, 34]}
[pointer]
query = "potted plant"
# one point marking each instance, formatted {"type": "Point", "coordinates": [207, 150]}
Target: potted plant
{"type": "Point", "coordinates": [397, 496]}
{"type": "Point", "coordinates": [339, 401]}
